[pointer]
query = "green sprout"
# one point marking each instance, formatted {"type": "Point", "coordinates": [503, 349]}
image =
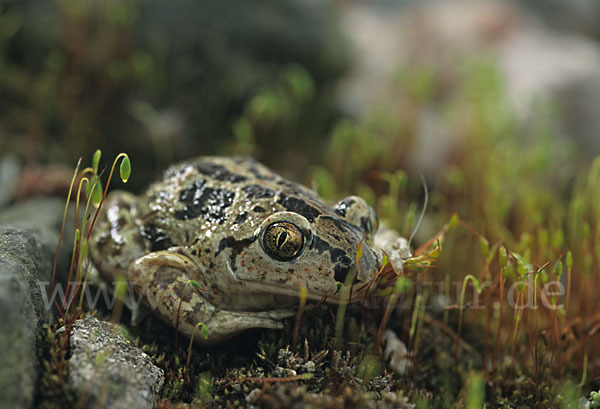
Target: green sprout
{"type": "Point", "coordinates": [463, 290]}
{"type": "Point", "coordinates": [89, 182]}
{"type": "Point", "coordinates": [204, 332]}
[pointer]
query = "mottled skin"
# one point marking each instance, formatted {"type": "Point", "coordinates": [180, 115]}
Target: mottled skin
{"type": "Point", "coordinates": [208, 220]}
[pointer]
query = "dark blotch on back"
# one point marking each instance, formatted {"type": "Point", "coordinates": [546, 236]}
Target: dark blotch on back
{"type": "Point", "coordinates": [204, 201]}
{"type": "Point", "coordinates": [258, 192]}
{"type": "Point", "coordinates": [218, 172]}
{"type": "Point", "coordinates": [241, 218]}
{"type": "Point", "coordinates": [293, 204]}
{"type": "Point", "coordinates": [157, 237]}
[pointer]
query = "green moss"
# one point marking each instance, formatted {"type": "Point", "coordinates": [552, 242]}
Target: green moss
{"type": "Point", "coordinates": [54, 391]}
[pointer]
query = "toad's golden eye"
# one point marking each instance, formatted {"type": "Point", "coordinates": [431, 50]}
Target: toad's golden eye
{"type": "Point", "coordinates": [283, 241]}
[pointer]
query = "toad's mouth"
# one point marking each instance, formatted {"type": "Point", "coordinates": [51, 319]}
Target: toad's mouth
{"type": "Point", "coordinates": [279, 295]}
{"type": "Point", "coordinates": [259, 297]}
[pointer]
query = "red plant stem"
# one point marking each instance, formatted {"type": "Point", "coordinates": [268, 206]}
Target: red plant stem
{"type": "Point", "coordinates": [69, 276]}
{"type": "Point", "coordinates": [535, 357]}
{"type": "Point", "coordinates": [515, 329]}
{"type": "Point", "coordinates": [386, 316]}
{"type": "Point", "coordinates": [375, 278]}
{"type": "Point", "coordinates": [460, 318]}
{"type": "Point", "coordinates": [76, 255]}
{"type": "Point", "coordinates": [60, 237]}
{"type": "Point", "coordinates": [568, 300]}
{"type": "Point", "coordinates": [487, 331]}
{"type": "Point", "coordinates": [486, 271]}
{"type": "Point", "coordinates": [553, 342]}
{"type": "Point", "coordinates": [460, 313]}
{"type": "Point", "coordinates": [121, 155]}
{"type": "Point", "coordinates": [68, 297]}
{"type": "Point", "coordinates": [428, 244]}
{"type": "Point", "coordinates": [499, 330]}
{"type": "Point", "coordinates": [75, 259]}
{"type": "Point", "coordinates": [532, 340]}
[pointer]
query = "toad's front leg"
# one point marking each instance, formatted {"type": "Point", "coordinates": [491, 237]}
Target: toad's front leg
{"type": "Point", "coordinates": [162, 279]}
{"type": "Point", "coordinates": [394, 246]}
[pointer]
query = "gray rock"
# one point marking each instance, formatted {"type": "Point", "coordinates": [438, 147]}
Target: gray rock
{"type": "Point", "coordinates": [42, 217]}
{"type": "Point", "coordinates": [108, 370]}
{"type": "Point", "coordinates": [23, 313]}
{"type": "Point", "coordinates": [29, 233]}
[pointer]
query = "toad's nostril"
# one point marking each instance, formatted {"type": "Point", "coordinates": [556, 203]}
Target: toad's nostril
{"type": "Point", "coordinates": [342, 268]}
{"type": "Point", "coordinates": [342, 207]}
{"type": "Point", "coordinates": [340, 272]}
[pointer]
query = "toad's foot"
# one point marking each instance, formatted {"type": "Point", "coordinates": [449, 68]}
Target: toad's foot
{"type": "Point", "coordinates": [163, 280]}
{"type": "Point", "coordinates": [394, 246]}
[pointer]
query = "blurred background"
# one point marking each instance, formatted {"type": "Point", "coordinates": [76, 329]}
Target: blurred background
{"type": "Point", "coordinates": [333, 94]}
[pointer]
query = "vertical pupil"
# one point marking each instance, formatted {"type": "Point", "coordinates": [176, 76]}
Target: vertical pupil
{"type": "Point", "coordinates": [281, 239]}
